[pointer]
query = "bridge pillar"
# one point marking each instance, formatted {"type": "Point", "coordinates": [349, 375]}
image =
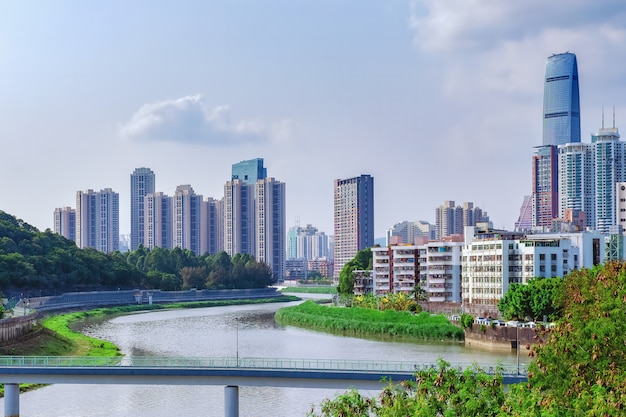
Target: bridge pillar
{"type": "Point", "coordinates": [231, 401]}
{"type": "Point", "coordinates": [11, 400]}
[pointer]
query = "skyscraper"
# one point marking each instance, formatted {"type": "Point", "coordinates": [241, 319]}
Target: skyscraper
{"type": "Point", "coordinates": [545, 191]}
{"type": "Point", "coordinates": [609, 157]}
{"type": "Point", "coordinates": [212, 226]}
{"type": "Point", "coordinates": [576, 185]}
{"type": "Point", "coordinates": [270, 225]}
{"type": "Point", "coordinates": [561, 102]}
{"type": "Point", "coordinates": [561, 125]}
{"type": "Point", "coordinates": [158, 225]}
{"type": "Point", "coordinates": [141, 184]}
{"type": "Point", "coordinates": [97, 220]}
{"type": "Point", "coordinates": [187, 207]}
{"type": "Point", "coordinates": [354, 218]}
{"type": "Point", "coordinates": [239, 217]}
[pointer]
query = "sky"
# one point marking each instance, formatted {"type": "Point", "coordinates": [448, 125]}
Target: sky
{"type": "Point", "coordinates": [436, 99]}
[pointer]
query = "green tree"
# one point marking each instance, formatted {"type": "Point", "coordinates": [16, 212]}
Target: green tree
{"type": "Point", "coordinates": [361, 261]}
{"type": "Point", "coordinates": [439, 392]}
{"type": "Point", "coordinates": [533, 300]}
{"type": "Point", "coordinates": [580, 368]}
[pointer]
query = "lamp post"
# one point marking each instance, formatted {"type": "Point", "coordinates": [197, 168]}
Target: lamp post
{"type": "Point", "coordinates": [237, 340]}
{"type": "Point", "coordinates": [517, 347]}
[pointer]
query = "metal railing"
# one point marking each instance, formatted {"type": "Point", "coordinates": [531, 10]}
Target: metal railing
{"type": "Point", "coordinates": [363, 366]}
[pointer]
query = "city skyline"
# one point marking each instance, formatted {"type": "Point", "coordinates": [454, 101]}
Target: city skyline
{"type": "Point", "coordinates": [404, 91]}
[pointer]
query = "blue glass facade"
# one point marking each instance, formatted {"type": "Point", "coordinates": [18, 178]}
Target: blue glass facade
{"type": "Point", "coordinates": [249, 171]}
{"type": "Point", "coordinates": [561, 102]}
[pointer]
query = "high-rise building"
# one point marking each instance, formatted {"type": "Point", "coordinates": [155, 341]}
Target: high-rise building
{"type": "Point", "coordinates": [65, 222]}
{"type": "Point", "coordinates": [525, 220]}
{"type": "Point", "coordinates": [141, 183]}
{"type": "Point", "coordinates": [408, 231]}
{"type": "Point", "coordinates": [239, 217]}
{"type": "Point", "coordinates": [212, 241]}
{"type": "Point", "coordinates": [270, 225]}
{"type": "Point", "coordinates": [97, 220]}
{"type": "Point", "coordinates": [609, 157]}
{"type": "Point", "coordinates": [451, 219]}
{"type": "Point", "coordinates": [576, 185]}
{"type": "Point", "coordinates": [158, 225]}
{"type": "Point", "coordinates": [249, 171]}
{"type": "Point", "coordinates": [353, 218]}
{"type": "Point", "coordinates": [561, 102]}
{"type": "Point", "coordinates": [187, 207]}
{"type": "Point", "coordinates": [545, 191]}
{"type": "Point", "coordinates": [561, 125]}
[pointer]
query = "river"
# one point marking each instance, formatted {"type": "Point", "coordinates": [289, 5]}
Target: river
{"type": "Point", "coordinates": [247, 331]}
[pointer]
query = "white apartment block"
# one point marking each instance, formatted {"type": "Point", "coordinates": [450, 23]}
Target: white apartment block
{"type": "Point", "coordinates": [271, 224]}
{"type": "Point", "coordinates": [440, 270]}
{"type": "Point", "coordinates": [158, 227]}
{"type": "Point", "coordinates": [493, 261]}
{"type": "Point", "coordinates": [65, 222]}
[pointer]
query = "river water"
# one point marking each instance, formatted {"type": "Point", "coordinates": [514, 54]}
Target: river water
{"type": "Point", "coordinates": [247, 331]}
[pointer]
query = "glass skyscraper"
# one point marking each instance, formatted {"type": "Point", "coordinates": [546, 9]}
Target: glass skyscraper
{"type": "Point", "coordinates": [561, 125]}
{"type": "Point", "coordinates": [561, 102]}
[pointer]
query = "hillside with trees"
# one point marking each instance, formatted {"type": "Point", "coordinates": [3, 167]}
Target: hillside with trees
{"type": "Point", "coordinates": [35, 261]}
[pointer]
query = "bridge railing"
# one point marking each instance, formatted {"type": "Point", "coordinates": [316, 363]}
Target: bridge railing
{"type": "Point", "coordinates": [244, 362]}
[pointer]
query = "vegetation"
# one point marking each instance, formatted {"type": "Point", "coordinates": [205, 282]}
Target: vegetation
{"type": "Point", "coordinates": [391, 301]}
{"type": "Point", "coordinates": [31, 260]}
{"type": "Point", "coordinates": [311, 290]}
{"type": "Point", "coordinates": [534, 300]}
{"type": "Point", "coordinates": [467, 320]}
{"type": "Point", "coordinates": [361, 261]}
{"type": "Point", "coordinates": [442, 391]}
{"type": "Point", "coordinates": [367, 322]}
{"type": "Point", "coordinates": [578, 371]}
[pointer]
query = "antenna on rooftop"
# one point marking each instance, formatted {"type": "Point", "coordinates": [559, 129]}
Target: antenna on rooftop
{"type": "Point", "coordinates": [602, 117]}
{"type": "Point", "coordinates": [613, 116]}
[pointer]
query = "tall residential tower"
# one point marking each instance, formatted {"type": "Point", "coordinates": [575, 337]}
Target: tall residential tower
{"type": "Point", "coordinates": [141, 184]}
{"type": "Point", "coordinates": [354, 218]}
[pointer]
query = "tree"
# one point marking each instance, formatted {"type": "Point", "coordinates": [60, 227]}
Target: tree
{"type": "Point", "coordinates": [581, 365]}
{"type": "Point", "coordinates": [533, 300]}
{"type": "Point", "coordinates": [361, 261]}
{"type": "Point", "coordinates": [442, 391]}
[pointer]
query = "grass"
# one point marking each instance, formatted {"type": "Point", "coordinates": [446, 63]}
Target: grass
{"type": "Point", "coordinates": [359, 321]}
{"type": "Point", "coordinates": [311, 290]}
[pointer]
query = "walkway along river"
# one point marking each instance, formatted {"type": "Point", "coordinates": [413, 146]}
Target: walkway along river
{"type": "Point", "coordinates": [246, 331]}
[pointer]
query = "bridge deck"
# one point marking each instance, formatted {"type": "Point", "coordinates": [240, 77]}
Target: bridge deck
{"type": "Point", "coordinates": [278, 372]}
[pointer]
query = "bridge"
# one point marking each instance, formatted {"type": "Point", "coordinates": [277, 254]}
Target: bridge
{"type": "Point", "coordinates": [231, 372]}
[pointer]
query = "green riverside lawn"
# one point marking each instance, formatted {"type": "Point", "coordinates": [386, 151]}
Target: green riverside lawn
{"type": "Point", "coordinates": [358, 321]}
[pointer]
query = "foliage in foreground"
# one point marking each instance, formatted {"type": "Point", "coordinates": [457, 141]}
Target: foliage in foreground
{"type": "Point", "coordinates": [579, 371]}
{"type": "Point", "coordinates": [364, 321]}
{"type": "Point", "coordinates": [442, 391]}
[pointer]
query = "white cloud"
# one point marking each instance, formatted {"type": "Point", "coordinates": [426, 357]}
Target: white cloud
{"type": "Point", "coordinates": [189, 120]}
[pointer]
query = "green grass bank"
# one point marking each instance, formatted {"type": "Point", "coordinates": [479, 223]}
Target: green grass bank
{"type": "Point", "coordinates": [311, 290]}
{"type": "Point", "coordinates": [363, 322]}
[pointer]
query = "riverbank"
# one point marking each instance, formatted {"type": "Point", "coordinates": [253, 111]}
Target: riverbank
{"type": "Point", "coordinates": [362, 322]}
{"type": "Point", "coordinates": [55, 337]}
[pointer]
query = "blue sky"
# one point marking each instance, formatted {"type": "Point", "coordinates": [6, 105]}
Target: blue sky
{"type": "Point", "coordinates": [437, 99]}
